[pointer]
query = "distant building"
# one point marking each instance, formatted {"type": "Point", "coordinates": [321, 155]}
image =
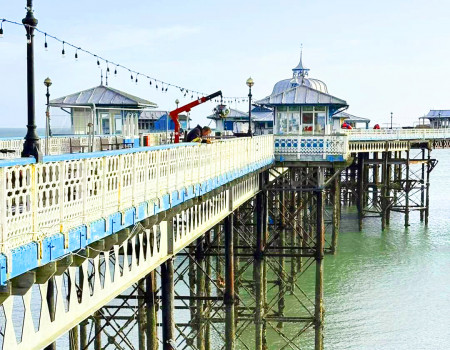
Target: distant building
{"type": "Point", "coordinates": [302, 105]}
{"type": "Point", "coordinates": [354, 121]}
{"type": "Point", "coordinates": [439, 118]}
{"type": "Point", "coordinates": [152, 120]}
{"type": "Point", "coordinates": [101, 110]}
{"type": "Point", "coordinates": [237, 121]}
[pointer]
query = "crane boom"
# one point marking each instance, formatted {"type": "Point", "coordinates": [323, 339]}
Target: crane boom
{"type": "Point", "coordinates": [186, 108]}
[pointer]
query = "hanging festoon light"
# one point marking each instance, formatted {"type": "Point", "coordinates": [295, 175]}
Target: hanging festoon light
{"type": "Point", "coordinates": [133, 74]}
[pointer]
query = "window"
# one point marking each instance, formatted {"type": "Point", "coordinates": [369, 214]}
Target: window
{"type": "Point", "coordinates": [118, 124]}
{"type": "Point", "coordinates": [106, 128]}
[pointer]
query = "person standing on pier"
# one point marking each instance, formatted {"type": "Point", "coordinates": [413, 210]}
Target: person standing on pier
{"type": "Point", "coordinates": [199, 134]}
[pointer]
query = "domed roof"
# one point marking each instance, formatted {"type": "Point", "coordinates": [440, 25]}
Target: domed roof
{"type": "Point", "coordinates": [286, 84]}
{"type": "Point", "coordinates": [300, 77]}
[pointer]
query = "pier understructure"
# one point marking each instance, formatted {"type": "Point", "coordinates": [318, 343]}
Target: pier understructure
{"type": "Point", "coordinates": [192, 247]}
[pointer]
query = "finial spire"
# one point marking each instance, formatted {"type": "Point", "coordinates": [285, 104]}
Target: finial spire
{"type": "Point", "coordinates": [300, 71]}
{"type": "Point", "coordinates": [101, 77]}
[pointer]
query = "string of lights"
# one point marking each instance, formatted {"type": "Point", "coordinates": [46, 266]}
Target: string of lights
{"type": "Point", "coordinates": [113, 67]}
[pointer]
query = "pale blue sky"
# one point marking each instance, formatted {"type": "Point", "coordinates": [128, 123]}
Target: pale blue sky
{"type": "Point", "coordinates": [380, 56]}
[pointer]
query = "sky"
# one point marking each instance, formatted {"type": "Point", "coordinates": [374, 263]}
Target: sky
{"type": "Point", "coordinates": [380, 56]}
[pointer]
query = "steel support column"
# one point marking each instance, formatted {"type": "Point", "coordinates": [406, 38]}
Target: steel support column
{"type": "Point", "coordinates": [320, 240]}
{"type": "Point", "coordinates": [229, 295]}
{"type": "Point", "coordinates": [151, 312]}
{"type": "Point", "coordinates": [167, 298]}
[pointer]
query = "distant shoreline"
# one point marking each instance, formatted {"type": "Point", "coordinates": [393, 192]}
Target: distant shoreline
{"type": "Point", "coordinates": [18, 132]}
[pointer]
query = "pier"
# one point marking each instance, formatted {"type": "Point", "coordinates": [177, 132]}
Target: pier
{"type": "Point", "coordinates": [140, 230]}
{"type": "Point", "coordinates": [135, 241]}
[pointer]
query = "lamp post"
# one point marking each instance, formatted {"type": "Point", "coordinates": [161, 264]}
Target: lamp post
{"type": "Point", "coordinates": [391, 120]}
{"type": "Point", "coordinates": [177, 101]}
{"type": "Point", "coordinates": [31, 145]}
{"type": "Point", "coordinates": [250, 83]}
{"type": "Point", "coordinates": [47, 83]}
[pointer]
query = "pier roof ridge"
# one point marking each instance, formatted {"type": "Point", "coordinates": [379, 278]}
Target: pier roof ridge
{"type": "Point", "coordinates": [101, 96]}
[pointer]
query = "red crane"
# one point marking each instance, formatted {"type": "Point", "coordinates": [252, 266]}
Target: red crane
{"type": "Point", "coordinates": [187, 108]}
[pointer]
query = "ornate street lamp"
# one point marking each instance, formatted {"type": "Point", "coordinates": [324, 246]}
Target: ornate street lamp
{"type": "Point", "coordinates": [250, 83]}
{"type": "Point", "coordinates": [177, 101]}
{"type": "Point", "coordinates": [48, 133]}
{"type": "Point", "coordinates": [31, 144]}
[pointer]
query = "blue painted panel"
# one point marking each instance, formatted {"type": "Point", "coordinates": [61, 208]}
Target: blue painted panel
{"type": "Point", "coordinates": [17, 161]}
{"type": "Point", "coordinates": [97, 230]}
{"type": "Point", "coordinates": [52, 248]}
{"type": "Point", "coordinates": [177, 198]}
{"type": "Point", "coordinates": [117, 222]}
{"type": "Point", "coordinates": [23, 259]}
{"type": "Point", "coordinates": [142, 211]}
{"type": "Point", "coordinates": [189, 193]}
{"type": "Point", "coordinates": [77, 238]}
{"type": "Point", "coordinates": [3, 269]}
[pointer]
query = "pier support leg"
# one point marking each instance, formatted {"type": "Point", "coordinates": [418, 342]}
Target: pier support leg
{"type": "Point", "coordinates": [141, 315]}
{"type": "Point", "coordinates": [200, 266]}
{"type": "Point", "coordinates": [83, 335]}
{"type": "Point", "coordinates": [208, 293]}
{"type": "Point", "coordinates": [360, 190]}
{"type": "Point", "coordinates": [73, 338]}
{"type": "Point", "coordinates": [229, 295]}
{"type": "Point", "coordinates": [294, 240]}
{"type": "Point", "coordinates": [388, 188]}
{"type": "Point", "coordinates": [376, 180]}
{"type": "Point", "coordinates": [336, 190]}
{"type": "Point", "coordinates": [281, 260]}
{"type": "Point", "coordinates": [98, 331]}
{"type": "Point", "coordinates": [167, 298]}
{"type": "Point", "coordinates": [427, 190]}
{"type": "Point", "coordinates": [384, 192]}
{"type": "Point", "coordinates": [151, 312]}
{"type": "Point", "coordinates": [320, 239]}
{"type": "Point", "coordinates": [407, 188]}
{"type": "Point", "coordinates": [422, 187]}
{"type": "Point", "coordinates": [261, 227]}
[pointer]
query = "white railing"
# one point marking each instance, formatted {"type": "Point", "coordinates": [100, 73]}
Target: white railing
{"type": "Point", "coordinates": [291, 147]}
{"type": "Point", "coordinates": [61, 144]}
{"type": "Point", "coordinates": [396, 134]}
{"type": "Point", "coordinates": [77, 298]}
{"type": "Point", "coordinates": [37, 200]}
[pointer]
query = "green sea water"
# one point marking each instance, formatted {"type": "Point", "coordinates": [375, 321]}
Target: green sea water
{"type": "Point", "coordinates": [391, 289]}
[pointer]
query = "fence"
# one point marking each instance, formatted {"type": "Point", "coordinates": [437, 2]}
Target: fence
{"type": "Point", "coordinates": [299, 147]}
{"type": "Point", "coordinates": [37, 200]}
{"type": "Point", "coordinates": [61, 144]}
